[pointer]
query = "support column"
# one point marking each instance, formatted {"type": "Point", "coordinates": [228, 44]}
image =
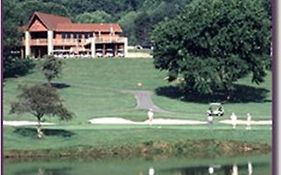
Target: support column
{"type": "Point", "coordinates": [27, 43]}
{"type": "Point", "coordinates": [115, 50]}
{"type": "Point", "coordinates": [50, 42]}
{"type": "Point", "coordinates": [103, 49]}
{"type": "Point", "coordinates": [93, 48]}
{"type": "Point", "coordinates": [125, 47]}
{"type": "Point", "coordinates": [21, 52]}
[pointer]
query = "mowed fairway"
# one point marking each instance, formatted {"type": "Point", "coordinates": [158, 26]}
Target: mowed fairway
{"type": "Point", "coordinates": [93, 88]}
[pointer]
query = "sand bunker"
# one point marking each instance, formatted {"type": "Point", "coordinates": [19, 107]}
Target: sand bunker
{"type": "Point", "coordinates": [112, 120]}
{"type": "Point", "coordinates": [24, 123]}
{"type": "Point", "coordinates": [158, 121]}
{"type": "Point", "coordinates": [245, 122]}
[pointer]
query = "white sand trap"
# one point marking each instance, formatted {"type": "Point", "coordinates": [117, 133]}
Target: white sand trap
{"type": "Point", "coordinates": [158, 121]}
{"type": "Point", "coordinates": [24, 123]}
{"type": "Point", "coordinates": [244, 122]}
{"type": "Point", "coordinates": [113, 120]}
{"type": "Point", "coordinates": [162, 121]}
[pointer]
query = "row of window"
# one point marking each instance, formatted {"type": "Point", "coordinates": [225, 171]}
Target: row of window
{"type": "Point", "coordinates": [76, 35]}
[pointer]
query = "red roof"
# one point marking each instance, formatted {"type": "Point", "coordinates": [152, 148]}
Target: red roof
{"type": "Point", "coordinates": [64, 24]}
{"type": "Point", "coordinates": [49, 20]}
{"type": "Point", "coordinates": [104, 27]}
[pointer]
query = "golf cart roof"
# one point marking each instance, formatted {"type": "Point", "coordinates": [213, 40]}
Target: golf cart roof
{"type": "Point", "coordinates": [215, 104]}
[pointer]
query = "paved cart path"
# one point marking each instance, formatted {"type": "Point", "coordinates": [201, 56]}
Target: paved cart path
{"type": "Point", "coordinates": [145, 102]}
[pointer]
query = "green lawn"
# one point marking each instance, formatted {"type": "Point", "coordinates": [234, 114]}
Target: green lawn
{"type": "Point", "coordinates": [95, 88]}
{"type": "Point", "coordinates": [109, 135]}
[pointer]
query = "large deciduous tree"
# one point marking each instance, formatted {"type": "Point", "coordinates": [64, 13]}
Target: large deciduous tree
{"type": "Point", "coordinates": [213, 43]}
{"type": "Point", "coordinates": [40, 100]}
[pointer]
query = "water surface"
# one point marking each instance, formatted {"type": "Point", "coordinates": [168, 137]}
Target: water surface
{"type": "Point", "coordinates": [242, 165]}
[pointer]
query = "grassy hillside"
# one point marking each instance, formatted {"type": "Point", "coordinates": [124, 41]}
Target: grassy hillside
{"type": "Point", "coordinates": [99, 88]}
{"type": "Point", "coordinates": [95, 88]}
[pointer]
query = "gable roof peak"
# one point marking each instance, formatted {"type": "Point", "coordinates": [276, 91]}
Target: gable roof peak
{"type": "Point", "coordinates": [49, 20]}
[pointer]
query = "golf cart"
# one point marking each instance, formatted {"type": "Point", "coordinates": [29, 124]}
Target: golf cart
{"type": "Point", "coordinates": [215, 109]}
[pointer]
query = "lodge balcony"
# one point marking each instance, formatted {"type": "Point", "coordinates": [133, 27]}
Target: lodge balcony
{"type": "Point", "coordinates": [75, 41]}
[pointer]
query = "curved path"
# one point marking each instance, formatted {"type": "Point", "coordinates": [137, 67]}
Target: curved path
{"type": "Point", "coordinates": [145, 102]}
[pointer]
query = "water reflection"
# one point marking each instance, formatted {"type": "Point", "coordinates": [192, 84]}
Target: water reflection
{"type": "Point", "coordinates": [151, 171]}
{"type": "Point", "coordinates": [234, 169]}
{"type": "Point", "coordinates": [250, 168]}
{"type": "Point", "coordinates": [173, 166]}
{"type": "Point", "coordinates": [45, 171]}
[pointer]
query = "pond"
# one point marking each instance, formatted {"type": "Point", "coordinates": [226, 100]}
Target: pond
{"type": "Point", "coordinates": [241, 165]}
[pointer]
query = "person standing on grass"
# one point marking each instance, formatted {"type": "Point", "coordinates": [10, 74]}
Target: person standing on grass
{"type": "Point", "coordinates": [249, 117]}
{"type": "Point", "coordinates": [210, 121]}
{"type": "Point", "coordinates": [233, 118]}
{"type": "Point", "coordinates": [150, 115]}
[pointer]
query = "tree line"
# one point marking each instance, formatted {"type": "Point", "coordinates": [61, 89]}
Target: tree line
{"type": "Point", "coordinates": [207, 45]}
{"type": "Point", "coordinates": [137, 17]}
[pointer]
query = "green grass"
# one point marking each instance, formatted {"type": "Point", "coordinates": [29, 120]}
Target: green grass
{"type": "Point", "coordinates": [97, 88]}
{"type": "Point", "coordinates": [111, 135]}
{"type": "Point", "coordinates": [258, 110]}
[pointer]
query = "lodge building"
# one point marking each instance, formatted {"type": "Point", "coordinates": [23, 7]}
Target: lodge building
{"type": "Point", "coordinates": [47, 34]}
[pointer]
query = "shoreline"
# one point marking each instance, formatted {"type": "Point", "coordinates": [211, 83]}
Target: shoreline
{"type": "Point", "coordinates": [187, 148]}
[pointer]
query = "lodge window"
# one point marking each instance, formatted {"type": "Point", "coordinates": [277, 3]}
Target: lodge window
{"type": "Point", "coordinates": [68, 35]}
{"type": "Point", "coordinates": [75, 35]}
{"type": "Point", "coordinates": [63, 35]}
{"type": "Point", "coordinates": [88, 35]}
{"type": "Point", "coordinates": [79, 35]}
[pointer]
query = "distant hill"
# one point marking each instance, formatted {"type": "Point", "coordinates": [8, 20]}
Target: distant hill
{"type": "Point", "coordinates": [137, 17]}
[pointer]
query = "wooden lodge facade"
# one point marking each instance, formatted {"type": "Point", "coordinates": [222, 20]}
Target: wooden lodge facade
{"type": "Point", "coordinates": [48, 34]}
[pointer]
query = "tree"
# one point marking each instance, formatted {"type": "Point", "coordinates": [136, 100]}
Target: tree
{"type": "Point", "coordinates": [213, 43]}
{"type": "Point", "coordinates": [28, 7]}
{"type": "Point", "coordinates": [52, 68]}
{"type": "Point", "coordinates": [13, 66]}
{"type": "Point", "coordinates": [98, 16]}
{"type": "Point", "coordinates": [11, 24]}
{"type": "Point", "coordinates": [127, 21]}
{"type": "Point", "coordinates": [40, 100]}
{"type": "Point", "coordinates": [142, 33]}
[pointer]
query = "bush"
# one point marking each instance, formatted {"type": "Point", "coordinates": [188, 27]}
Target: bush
{"type": "Point", "coordinates": [14, 66]}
